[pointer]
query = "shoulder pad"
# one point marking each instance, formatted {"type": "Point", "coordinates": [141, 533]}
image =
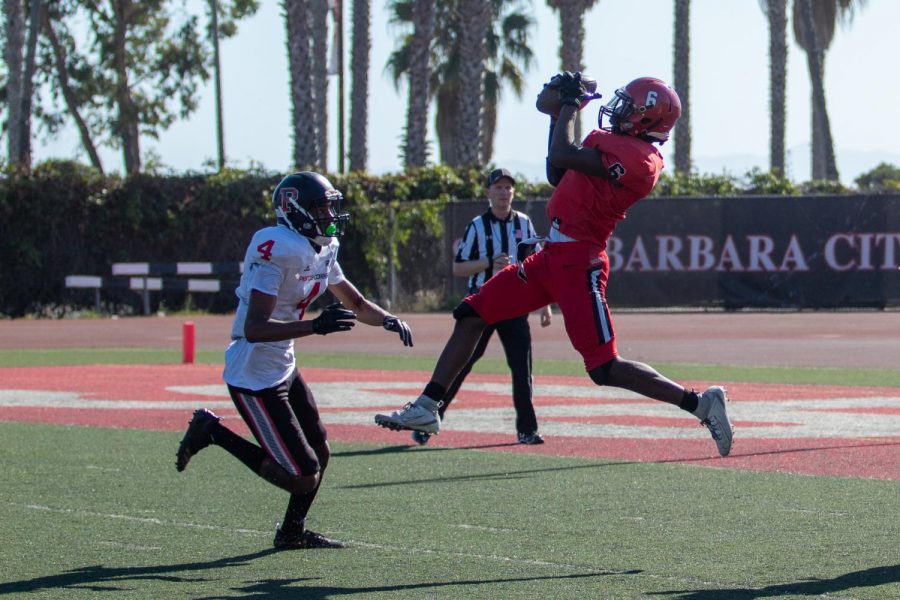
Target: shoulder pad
{"type": "Point", "coordinates": [281, 247]}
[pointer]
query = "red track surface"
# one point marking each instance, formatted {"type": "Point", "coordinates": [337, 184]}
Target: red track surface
{"type": "Point", "coordinates": [803, 429]}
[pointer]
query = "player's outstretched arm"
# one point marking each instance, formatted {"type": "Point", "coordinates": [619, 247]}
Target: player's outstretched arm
{"type": "Point", "coordinates": [368, 312]}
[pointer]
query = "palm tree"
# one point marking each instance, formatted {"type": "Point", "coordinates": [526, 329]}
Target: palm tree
{"type": "Point", "coordinates": [319, 16]}
{"type": "Point", "coordinates": [217, 79]}
{"type": "Point", "coordinates": [223, 16]}
{"type": "Point", "coordinates": [682, 55]}
{"type": "Point", "coordinates": [509, 54]}
{"type": "Point", "coordinates": [359, 87]}
{"type": "Point", "coordinates": [776, 11]}
{"type": "Point", "coordinates": [474, 23]}
{"type": "Point", "coordinates": [303, 96]}
{"type": "Point", "coordinates": [415, 150]}
{"type": "Point", "coordinates": [814, 25]}
{"type": "Point", "coordinates": [571, 35]}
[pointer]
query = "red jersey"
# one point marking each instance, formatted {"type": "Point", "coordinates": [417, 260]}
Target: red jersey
{"type": "Point", "coordinates": [587, 208]}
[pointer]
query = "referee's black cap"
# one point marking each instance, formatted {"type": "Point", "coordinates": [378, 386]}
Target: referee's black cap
{"type": "Point", "coordinates": [498, 174]}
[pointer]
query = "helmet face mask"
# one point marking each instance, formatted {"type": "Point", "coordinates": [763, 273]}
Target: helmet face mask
{"type": "Point", "coordinates": [646, 108]}
{"type": "Point", "coordinates": [308, 204]}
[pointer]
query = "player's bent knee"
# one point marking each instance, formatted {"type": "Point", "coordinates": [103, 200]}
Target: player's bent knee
{"type": "Point", "coordinates": [600, 375]}
{"type": "Point", "coordinates": [304, 484]}
{"type": "Point", "coordinates": [323, 453]}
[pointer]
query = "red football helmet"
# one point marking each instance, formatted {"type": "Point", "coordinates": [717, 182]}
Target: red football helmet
{"type": "Point", "coordinates": [646, 108]}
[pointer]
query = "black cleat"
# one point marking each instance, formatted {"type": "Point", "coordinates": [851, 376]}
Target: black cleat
{"type": "Point", "coordinates": [420, 437]}
{"type": "Point", "coordinates": [196, 438]}
{"type": "Point", "coordinates": [530, 439]}
{"type": "Point", "coordinates": [302, 540]}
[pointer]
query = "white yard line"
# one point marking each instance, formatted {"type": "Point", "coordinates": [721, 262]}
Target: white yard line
{"type": "Point", "coordinates": [402, 549]}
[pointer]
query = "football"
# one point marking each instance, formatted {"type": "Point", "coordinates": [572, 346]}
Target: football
{"type": "Point", "coordinates": [548, 99]}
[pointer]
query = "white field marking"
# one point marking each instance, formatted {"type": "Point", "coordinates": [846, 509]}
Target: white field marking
{"type": "Point", "coordinates": [257, 533]}
{"type": "Point", "coordinates": [131, 518]}
{"type": "Point", "coordinates": [128, 546]}
{"type": "Point", "coordinates": [807, 511]}
{"type": "Point", "coordinates": [790, 418]}
{"type": "Point", "coordinates": [46, 399]}
{"type": "Point", "coordinates": [104, 469]}
{"type": "Point", "coordinates": [483, 528]}
{"type": "Point", "coordinates": [357, 393]}
{"type": "Point", "coordinates": [597, 570]}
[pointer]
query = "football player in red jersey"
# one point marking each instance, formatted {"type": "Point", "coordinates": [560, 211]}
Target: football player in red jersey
{"type": "Point", "coordinates": [596, 182]}
{"type": "Point", "coordinates": [287, 266]}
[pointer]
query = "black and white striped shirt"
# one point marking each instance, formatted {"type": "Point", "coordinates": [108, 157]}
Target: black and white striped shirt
{"type": "Point", "coordinates": [486, 235]}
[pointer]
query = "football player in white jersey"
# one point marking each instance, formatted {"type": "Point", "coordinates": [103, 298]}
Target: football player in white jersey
{"type": "Point", "coordinates": [286, 267]}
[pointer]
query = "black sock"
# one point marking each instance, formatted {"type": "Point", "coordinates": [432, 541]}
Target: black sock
{"type": "Point", "coordinates": [435, 391]}
{"type": "Point", "coordinates": [248, 453]}
{"type": "Point", "coordinates": [297, 509]}
{"type": "Point", "coordinates": [689, 401]}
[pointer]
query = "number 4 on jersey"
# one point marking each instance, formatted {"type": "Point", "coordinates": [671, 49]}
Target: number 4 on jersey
{"type": "Point", "coordinates": [265, 249]}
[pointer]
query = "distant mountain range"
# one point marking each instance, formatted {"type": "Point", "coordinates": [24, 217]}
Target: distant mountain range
{"type": "Point", "coordinates": [851, 163]}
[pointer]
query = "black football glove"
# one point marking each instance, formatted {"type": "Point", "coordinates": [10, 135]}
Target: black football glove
{"type": "Point", "coordinates": [392, 323]}
{"type": "Point", "coordinates": [334, 318]}
{"type": "Point", "coordinates": [571, 89]}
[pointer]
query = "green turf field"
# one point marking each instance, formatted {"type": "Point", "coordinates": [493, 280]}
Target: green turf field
{"type": "Point", "coordinates": [102, 513]}
{"type": "Point", "coordinates": [95, 513]}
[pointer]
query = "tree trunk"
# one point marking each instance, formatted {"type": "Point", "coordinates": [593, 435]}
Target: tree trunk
{"type": "Point", "coordinates": [824, 165]}
{"type": "Point", "coordinates": [416, 150]}
{"type": "Point", "coordinates": [217, 75]}
{"type": "Point", "coordinates": [319, 13]}
{"type": "Point", "coordinates": [683, 85]}
{"type": "Point", "coordinates": [474, 18]}
{"type": "Point", "coordinates": [777, 13]}
{"type": "Point", "coordinates": [571, 48]}
{"type": "Point", "coordinates": [303, 97]}
{"type": "Point", "coordinates": [68, 94]}
{"type": "Point", "coordinates": [359, 87]}
{"type": "Point", "coordinates": [12, 55]}
{"type": "Point", "coordinates": [488, 128]}
{"type": "Point", "coordinates": [445, 120]}
{"type": "Point", "coordinates": [127, 123]}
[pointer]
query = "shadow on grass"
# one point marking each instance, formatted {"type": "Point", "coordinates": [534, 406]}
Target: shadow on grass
{"type": "Point", "coordinates": [811, 587]}
{"type": "Point", "coordinates": [401, 448]}
{"type": "Point", "coordinates": [485, 476]}
{"type": "Point", "coordinates": [776, 452]}
{"type": "Point", "coordinates": [275, 589]}
{"type": "Point", "coordinates": [100, 579]}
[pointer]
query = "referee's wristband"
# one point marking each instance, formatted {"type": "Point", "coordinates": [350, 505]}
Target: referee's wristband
{"type": "Point", "coordinates": [490, 262]}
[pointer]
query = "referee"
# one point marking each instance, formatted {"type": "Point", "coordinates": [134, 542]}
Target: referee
{"type": "Point", "coordinates": [488, 245]}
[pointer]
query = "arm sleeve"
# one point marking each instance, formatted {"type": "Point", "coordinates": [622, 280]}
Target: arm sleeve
{"type": "Point", "coordinates": [468, 245]}
{"type": "Point", "coordinates": [335, 273]}
{"type": "Point", "coordinates": [266, 278]}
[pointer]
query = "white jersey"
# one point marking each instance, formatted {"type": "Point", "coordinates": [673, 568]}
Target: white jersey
{"type": "Point", "coordinates": [284, 264]}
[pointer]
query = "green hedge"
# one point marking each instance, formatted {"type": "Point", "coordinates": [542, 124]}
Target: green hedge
{"type": "Point", "coordinates": [66, 219]}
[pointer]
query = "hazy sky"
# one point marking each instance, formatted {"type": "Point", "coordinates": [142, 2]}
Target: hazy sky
{"type": "Point", "coordinates": [625, 39]}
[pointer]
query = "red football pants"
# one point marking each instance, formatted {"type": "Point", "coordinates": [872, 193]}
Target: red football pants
{"type": "Point", "coordinates": [571, 274]}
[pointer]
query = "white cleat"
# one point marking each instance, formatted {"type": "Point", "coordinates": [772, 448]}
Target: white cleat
{"type": "Point", "coordinates": [421, 415]}
{"type": "Point", "coordinates": [713, 414]}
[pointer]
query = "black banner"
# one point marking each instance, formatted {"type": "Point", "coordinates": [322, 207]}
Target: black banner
{"type": "Point", "coordinates": [779, 252]}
